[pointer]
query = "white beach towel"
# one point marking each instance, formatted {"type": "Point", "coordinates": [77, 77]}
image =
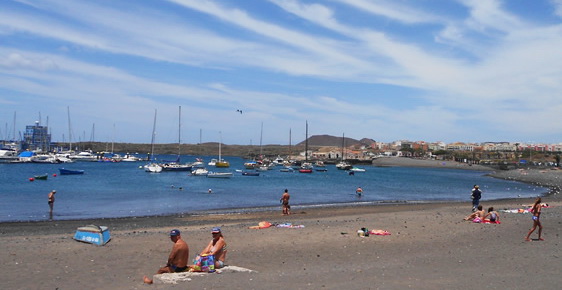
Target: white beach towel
{"type": "Point", "coordinates": [175, 278]}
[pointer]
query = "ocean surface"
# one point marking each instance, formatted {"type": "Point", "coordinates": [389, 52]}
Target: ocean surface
{"type": "Point", "coordinates": [123, 189]}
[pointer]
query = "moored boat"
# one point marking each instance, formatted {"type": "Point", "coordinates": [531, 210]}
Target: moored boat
{"type": "Point", "coordinates": [41, 177]}
{"type": "Point", "coordinates": [153, 168]}
{"type": "Point", "coordinates": [199, 172]}
{"type": "Point", "coordinates": [219, 174]}
{"type": "Point", "coordinates": [250, 173]}
{"type": "Point", "coordinates": [64, 171]}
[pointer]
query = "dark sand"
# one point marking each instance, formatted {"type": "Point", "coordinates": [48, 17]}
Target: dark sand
{"type": "Point", "coordinates": [431, 247]}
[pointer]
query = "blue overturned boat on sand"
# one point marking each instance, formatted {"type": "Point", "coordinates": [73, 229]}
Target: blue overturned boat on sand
{"type": "Point", "coordinates": [64, 171]}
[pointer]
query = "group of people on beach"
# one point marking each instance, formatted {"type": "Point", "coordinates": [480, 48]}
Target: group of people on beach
{"type": "Point", "coordinates": [479, 215]}
{"type": "Point", "coordinates": [179, 256]}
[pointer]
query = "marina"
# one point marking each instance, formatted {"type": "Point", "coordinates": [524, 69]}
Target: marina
{"type": "Point", "coordinates": [124, 189]}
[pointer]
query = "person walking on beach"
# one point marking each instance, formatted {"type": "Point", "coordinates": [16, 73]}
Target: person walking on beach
{"type": "Point", "coordinates": [476, 195]}
{"type": "Point", "coordinates": [177, 261]}
{"type": "Point", "coordinates": [536, 210]}
{"type": "Point", "coordinates": [285, 201]}
{"type": "Point", "coordinates": [51, 202]}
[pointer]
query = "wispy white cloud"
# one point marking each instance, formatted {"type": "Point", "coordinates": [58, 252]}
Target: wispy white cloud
{"type": "Point", "coordinates": [478, 68]}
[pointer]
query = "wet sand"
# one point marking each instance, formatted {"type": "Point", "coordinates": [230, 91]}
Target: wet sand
{"type": "Point", "coordinates": [430, 247]}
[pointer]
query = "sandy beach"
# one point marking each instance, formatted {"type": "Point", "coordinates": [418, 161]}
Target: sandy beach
{"type": "Point", "coordinates": [430, 247]}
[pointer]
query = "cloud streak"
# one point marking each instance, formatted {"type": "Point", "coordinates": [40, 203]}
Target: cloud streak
{"type": "Point", "coordinates": [405, 70]}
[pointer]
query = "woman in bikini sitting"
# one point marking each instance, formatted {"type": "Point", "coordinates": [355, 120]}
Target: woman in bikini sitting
{"type": "Point", "coordinates": [492, 215]}
{"type": "Point", "coordinates": [536, 211]}
{"type": "Point", "coordinates": [216, 247]}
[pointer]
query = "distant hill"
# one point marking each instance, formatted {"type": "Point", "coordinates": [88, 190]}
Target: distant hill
{"type": "Point", "coordinates": [333, 141]}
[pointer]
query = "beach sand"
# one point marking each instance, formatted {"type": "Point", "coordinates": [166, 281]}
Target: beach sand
{"type": "Point", "coordinates": [430, 247]}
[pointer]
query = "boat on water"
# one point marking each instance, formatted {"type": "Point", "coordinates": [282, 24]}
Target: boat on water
{"type": "Point", "coordinates": [251, 164]}
{"type": "Point", "coordinates": [199, 172]}
{"type": "Point", "coordinates": [221, 163]}
{"type": "Point", "coordinates": [41, 177]}
{"type": "Point", "coordinates": [176, 165]}
{"type": "Point", "coordinates": [343, 166]}
{"type": "Point", "coordinates": [306, 167]}
{"type": "Point", "coordinates": [153, 168]}
{"type": "Point", "coordinates": [64, 171]}
{"type": "Point", "coordinates": [219, 174]}
{"type": "Point", "coordinates": [321, 169]}
{"type": "Point", "coordinates": [8, 154]}
{"type": "Point", "coordinates": [213, 162]}
{"type": "Point", "coordinates": [357, 169]}
{"type": "Point", "coordinates": [84, 156]}
{"type": "Point", "coordinates": [250, 173]}
{"type": "Point", "coordinates": [287, 169]}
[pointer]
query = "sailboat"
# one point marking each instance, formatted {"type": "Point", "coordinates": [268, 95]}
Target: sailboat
{"type": "Point", "coordinates": [176, 165]}
{"type": "Point", "coordinates": [221, 162]}
{"type": "Point", "coordinates": [342, 165]}
{"type": "Point", "coordinates": [306, 167]}
{"type": "Point", "coordinates": [153, 167]}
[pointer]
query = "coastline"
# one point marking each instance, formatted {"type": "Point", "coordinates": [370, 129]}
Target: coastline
{"type": "Point", "coordinates": [430, 247]}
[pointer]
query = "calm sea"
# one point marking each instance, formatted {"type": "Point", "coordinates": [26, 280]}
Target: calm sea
{"type": "Point", "coordinates": [123, 189]}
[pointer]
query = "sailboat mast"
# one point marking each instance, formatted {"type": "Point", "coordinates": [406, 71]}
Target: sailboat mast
{"type": "Point", "coordinates": [179, 135]}
{"type": "Point", "coordinates": [220, 142]}
{"type": "Point", "coordinates": [306, 144]}
{"type": "Point", "coordinates": [69, 130]}
{"type": "Point", "coordinates": [261, 136]}
{"type": "Point", "coordinates": [342, 146]}
{"type": "Point", "coordinates": [290, 146]}
{"type": "Point", "coordinates": [153, 136]}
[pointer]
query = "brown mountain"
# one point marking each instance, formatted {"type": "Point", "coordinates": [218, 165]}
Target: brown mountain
{"type": "Point", "coordinates": [332, 141]}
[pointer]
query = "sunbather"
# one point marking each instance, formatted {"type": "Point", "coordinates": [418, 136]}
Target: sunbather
{"type": "Point", "coordinates": [216, 247]}
{"type": "Point", "coordinates": [492, 215]}
{"type": "Point", "coordinates": [177, 261]}
{"type": "Point", "coordinates": [476, 216]}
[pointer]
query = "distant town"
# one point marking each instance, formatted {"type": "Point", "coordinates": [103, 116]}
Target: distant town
{"type": "Point", "coordinates": [36, 138]}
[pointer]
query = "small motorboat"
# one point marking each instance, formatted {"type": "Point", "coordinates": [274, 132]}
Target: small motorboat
{"type": "Point", "coordinates": [64, 171]}
{"type": "Point", "coordinates": [249, 173]}
{"type": "Point", "coordinates": [219, 174]}
{"type": "Point", "coordinates": [41, 177]}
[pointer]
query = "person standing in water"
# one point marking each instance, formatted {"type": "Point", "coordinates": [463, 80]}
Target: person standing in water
{"type": "Point", "coordinates": [51, 202]}
{"type": "Point", "coordinates": [285, 201]}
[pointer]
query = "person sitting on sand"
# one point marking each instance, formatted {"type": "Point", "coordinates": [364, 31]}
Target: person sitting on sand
{"type": "Point", "coordinates": [216, 247]}
{"type": "Point", "coordinates": [177, 261]}
{"type": "Point", "coordinates": [492, 215]}
{"type": "Point", "coordinates": [536, 210]}
{"type": "Point", "coordinates": [476, 216]}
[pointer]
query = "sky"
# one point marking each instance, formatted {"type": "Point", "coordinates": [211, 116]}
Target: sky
{"type": "Point", "coordinates": [431, 70]}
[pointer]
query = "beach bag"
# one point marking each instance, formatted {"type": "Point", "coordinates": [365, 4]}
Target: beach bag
{"type": "Point", "coordinates": [204, 263]}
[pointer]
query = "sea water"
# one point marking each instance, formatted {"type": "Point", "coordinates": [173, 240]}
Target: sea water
{"type": "Point", "coordinates": [124, 189]}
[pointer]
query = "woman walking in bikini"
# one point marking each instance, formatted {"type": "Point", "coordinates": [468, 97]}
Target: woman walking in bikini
{"type": "Point", "coordinates": [536, 210]}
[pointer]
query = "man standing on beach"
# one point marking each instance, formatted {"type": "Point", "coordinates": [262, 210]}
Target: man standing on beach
{"type": "Point", "coordinates": [177, 261]}
{"type": "Point", "coordinates": [476, 195]}
{"type": "Point", "coordinates": [51, 202]}
{"type": "Point", "coordinates": [285, 201]}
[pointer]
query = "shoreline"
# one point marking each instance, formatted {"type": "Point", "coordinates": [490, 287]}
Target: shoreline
{"type": "Point", "coordinates": [430, 247]}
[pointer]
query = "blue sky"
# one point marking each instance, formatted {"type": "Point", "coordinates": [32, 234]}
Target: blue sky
{"type": "Point", "coordinates": [450, 70]}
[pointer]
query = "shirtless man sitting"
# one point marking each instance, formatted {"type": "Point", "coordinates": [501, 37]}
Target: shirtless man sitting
{"type": "Point", "coordinates": [476, 216]}
{"type": "Point", "coordinates": [177, 261]}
